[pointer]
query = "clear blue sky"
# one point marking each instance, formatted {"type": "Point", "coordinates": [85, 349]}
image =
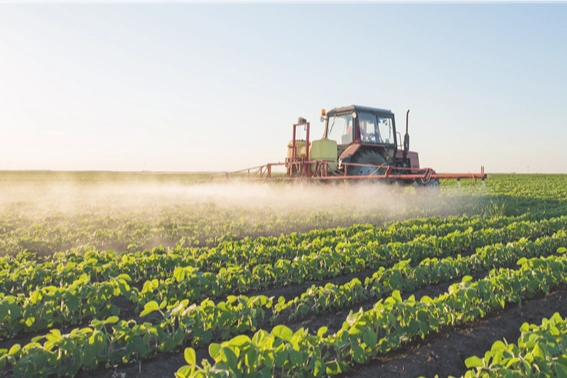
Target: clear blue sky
{"type": "Point", "coordinates": [192, 87]}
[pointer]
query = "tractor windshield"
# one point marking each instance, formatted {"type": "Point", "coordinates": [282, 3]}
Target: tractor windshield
{"type": "Point", "coordinates": [339, 128]}
{"type": "Point", "coordinates": [386, 130]}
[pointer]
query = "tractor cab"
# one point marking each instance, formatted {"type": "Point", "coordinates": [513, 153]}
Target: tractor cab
{"type": "Point", "coordinates": [361, 130]}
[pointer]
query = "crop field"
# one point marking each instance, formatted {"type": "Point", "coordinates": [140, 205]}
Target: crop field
{"type": "Point", "coordinates": [152, 275]}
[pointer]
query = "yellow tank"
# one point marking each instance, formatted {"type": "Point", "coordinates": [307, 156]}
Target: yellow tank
{"type": "Point", "coordinates": [324, 149]}
{"type": "Point", "coordinates": [300, 145]}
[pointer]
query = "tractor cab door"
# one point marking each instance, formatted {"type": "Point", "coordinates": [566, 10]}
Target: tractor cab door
{"type": "Point", "coordinates": [376, 129]}
{"type": "Point", "coordinates": [377, 133]}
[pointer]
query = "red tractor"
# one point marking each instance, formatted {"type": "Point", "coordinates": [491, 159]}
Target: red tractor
{"type": "Point", "coordinates": [359, 143]}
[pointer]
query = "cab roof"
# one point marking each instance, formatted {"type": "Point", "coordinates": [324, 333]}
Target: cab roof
{"type": "Point", "coordinates": [351, 108]}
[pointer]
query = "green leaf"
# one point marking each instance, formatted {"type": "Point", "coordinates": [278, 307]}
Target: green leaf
{"type": "Point", "coordinates": [214, 350]}
{"type": "Point", "coordinates": [538, 351]}
{"type": "Point", "coordinates": [251, 357]}
{"type": "Point", "coordinates": [124, 277]}
{"type": "Point", "coordinates": [318, 367]}
{"type": "Point", "coordinates": [29, 321]}
{"type": "Point", "coordinates": [190, 356]}
{"type": "Point", "coordinates": [295, 357]}
{"type": "Point", "coordinates": [282, 332]}
{"type": "Point", "coordinates": [179, 274]}
{"type": "Point", "coordinates": [322, 331]}
{"type": "Point", "coordinates": [358, 354]}
{"type": "Point", "coordinates": [561, 250]}
{"type": "Point", "coordinates": [397, 296]}
{"type": "Point", "coordinates": [473, 362]}
{"type": "Point", "coordinates": [87, 357]}
{"type": "Point", "coordinates": [370, 338]}
{"type": "Point", "coordinates": [413, 327]}
{"type": "Point", "coordinates": [169, 344]}
{"type": "Point", "coordinates": [229, 356]}
{"type": "Point", "coordinates": [333, 368]}
{"type": "Point", "coordinates": [184, 372]}
{"type": "Point", "coordinates": [561, 370]}
{"type": "Point", "coordinates": [112, 320]}
{"type": "Point", "coordinates": [97, 342]}
{"type": "Point", "coordinates": [15, 350]}
{"type": "Point", "coordinates": [498, 346]}
{"type": "Point", "coordinates": [512, 361]}
{"type": "Point", "coordinates": [239, 340]}
{"type": "Point", "coordinates": [72, 301]}
{"type": "Point", "coordinates": [139, 344]}
{"type": "Point", "coordinates": [281, 357]}
{"type": "Point", "coordinates": [149, 308]}
{"type": "Point", "coordinates": [522, 261]}
{"type": "Point", "coordinates": [207, 336]}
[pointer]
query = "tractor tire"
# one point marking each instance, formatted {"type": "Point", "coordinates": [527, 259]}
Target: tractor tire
{"type": "Point", "coordinates": [367, 157]}
{"type": "Point", "coordinates": [432, 185]}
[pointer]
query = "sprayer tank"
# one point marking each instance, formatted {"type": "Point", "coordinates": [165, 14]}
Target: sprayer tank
{"type": "Point", "coordinates": [324, 149]}
{"type": "Point", "coordinates": [300, 145]}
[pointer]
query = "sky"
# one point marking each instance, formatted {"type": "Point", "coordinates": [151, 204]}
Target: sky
{"type": "Point", "coordinates": [217, 87]}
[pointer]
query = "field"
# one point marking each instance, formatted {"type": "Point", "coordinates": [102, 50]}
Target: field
{"type": "Point", "coordinates": [147, 275]}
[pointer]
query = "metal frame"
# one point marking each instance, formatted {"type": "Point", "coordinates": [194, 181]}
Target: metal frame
{"type": "Point", "coordinates": [321, 172]}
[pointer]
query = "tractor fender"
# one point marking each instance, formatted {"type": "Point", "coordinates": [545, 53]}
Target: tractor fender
{"type": "Point", "coordinates": [347, 154]}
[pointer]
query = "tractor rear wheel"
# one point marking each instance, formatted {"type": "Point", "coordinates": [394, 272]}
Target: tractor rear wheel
{"type": "Point", "coordinates": [367, 157]}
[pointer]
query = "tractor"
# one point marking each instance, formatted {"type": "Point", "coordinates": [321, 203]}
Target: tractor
{"type": "Point", "coordinates": [359, 143]}
{"type": "Point", "coordinates": [366, 138]}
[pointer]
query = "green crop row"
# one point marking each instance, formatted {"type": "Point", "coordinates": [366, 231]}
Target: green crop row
{"type": "Point", "coordinates": [119, 341]}
{"type": "Point", "coordinates": [541, 351]}
{"type": "Point", "coordinates": [179, 324]}
{"type": "Point", "coordinates": [82, 300]}
{"type": "Point", "coordinates": [24, 273]}
{"type": "Point", "coordinates": [404, 277]}
{"type": "Point", "coordinates": [328, 263]}
{"type": "Point", "coordinates": [366, 334]}
{"type": "Point", "coordinates": [67, 305]}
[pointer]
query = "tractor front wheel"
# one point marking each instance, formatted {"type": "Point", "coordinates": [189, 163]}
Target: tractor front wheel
{"type": "Point", "coordinates": [367, 157]}
{"type": "Point", "coordinates": [431, 184]}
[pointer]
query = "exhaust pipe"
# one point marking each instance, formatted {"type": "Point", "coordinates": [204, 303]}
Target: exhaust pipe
{"type": "Point", "coordinates": [406, 138]}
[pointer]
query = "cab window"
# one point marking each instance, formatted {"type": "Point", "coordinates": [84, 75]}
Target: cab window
{"type": "Point", "coordinates": [339, 128]}
{"type": "Point", "coordinates": [385, 129]}
{"type": "Point", "coordinates": [368, 131]}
